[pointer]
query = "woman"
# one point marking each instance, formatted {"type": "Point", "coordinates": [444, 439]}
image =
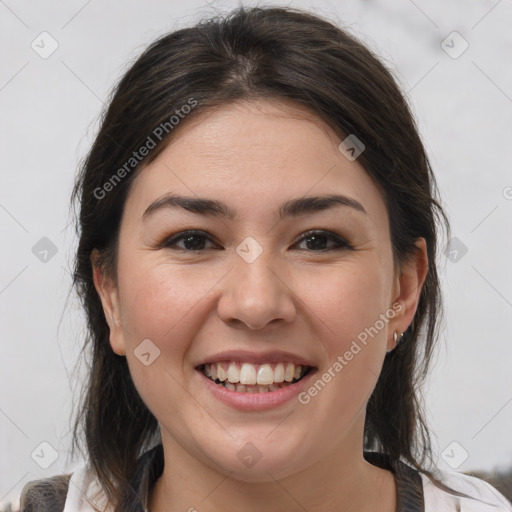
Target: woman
{"type": "Point", "coordinates": [257, 264]}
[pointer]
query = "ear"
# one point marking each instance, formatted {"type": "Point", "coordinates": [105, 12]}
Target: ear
{"type": "Point", "coordinates": [407, 290]}
{"type": "Point", "coordinates": [108, 292]}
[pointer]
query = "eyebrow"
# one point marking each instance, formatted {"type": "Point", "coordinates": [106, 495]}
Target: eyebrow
{"type": "Point", "coordinates": [291, 208]}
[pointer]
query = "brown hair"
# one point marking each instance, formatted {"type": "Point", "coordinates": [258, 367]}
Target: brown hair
{"type": "Point", "coordinates": [257, 53]}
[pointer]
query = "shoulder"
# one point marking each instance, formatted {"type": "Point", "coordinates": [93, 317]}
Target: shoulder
{"type": "Point", "coordinates": [45, 495]}
{"type": "Point", "coordinates": [64, 493]}
{"type": "Point", "coordinates": [81, 490]}
{"type": "Point", "coordinates": [481, 496]}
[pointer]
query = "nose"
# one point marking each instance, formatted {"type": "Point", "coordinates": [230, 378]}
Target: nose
{"type": "Point", "coordinates": [256, 294]}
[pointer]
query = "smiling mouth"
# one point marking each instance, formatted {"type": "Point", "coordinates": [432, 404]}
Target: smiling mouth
{"type": "Point", "coordinates": [249, 378]}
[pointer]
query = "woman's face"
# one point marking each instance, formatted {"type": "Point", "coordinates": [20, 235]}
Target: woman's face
{"type": "Point", "coordinates": [269, 279]}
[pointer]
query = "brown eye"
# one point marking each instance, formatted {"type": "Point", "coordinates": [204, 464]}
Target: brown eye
{"type": "Point", "coordinates": [188, 241]}
{"type": "Point", "coordinates": [322, 241]}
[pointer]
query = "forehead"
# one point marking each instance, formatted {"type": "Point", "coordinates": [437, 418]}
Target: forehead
{"type": "Point", "coordinates": [251, 155]}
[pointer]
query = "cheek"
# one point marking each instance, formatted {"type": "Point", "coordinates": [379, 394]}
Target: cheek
{"type": "Point", "coordinates": [347, 311]}
{"type": "Point", "coordinates": [346, 301]}
{"type": "Point", "coordinates": [165, 305]}
{"type": "Point", "coordinates": [161, 302]}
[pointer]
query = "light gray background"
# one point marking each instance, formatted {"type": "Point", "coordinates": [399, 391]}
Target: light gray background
{"type": "Point", "coordinates": [50, 108]}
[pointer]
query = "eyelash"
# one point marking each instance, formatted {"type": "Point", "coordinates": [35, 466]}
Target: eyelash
{"type": "Point", "coordinates": [171, 242]}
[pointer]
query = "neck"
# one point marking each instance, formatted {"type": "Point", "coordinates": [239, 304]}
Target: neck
{"type": "Point", "coordinates": [342, 481]}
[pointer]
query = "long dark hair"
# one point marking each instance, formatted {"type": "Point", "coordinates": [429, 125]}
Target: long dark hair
{"type": "Point", "coordinates": [257, 53]}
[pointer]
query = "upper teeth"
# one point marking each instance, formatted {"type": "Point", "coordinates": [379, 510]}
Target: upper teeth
{"type": "Point", "coordinates": [249, 374]}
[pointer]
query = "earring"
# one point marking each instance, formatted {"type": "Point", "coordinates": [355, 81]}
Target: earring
{"type": "Point", "coordinates": [397, 340]}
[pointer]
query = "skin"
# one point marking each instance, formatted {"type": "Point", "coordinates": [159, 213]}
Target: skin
{"type": "Point", "coordinates": [293, 297]}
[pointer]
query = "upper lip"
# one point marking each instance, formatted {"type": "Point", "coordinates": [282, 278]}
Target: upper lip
{"type": "Point", "coordinates": [244, 356]}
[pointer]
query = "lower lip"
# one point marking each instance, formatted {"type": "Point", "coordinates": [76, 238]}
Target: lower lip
{"type": "Point", "coordinates": [256, 401]}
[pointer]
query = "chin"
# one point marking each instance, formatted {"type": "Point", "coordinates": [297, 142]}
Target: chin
{"type": "Point", "coordinates": [256, 461]}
